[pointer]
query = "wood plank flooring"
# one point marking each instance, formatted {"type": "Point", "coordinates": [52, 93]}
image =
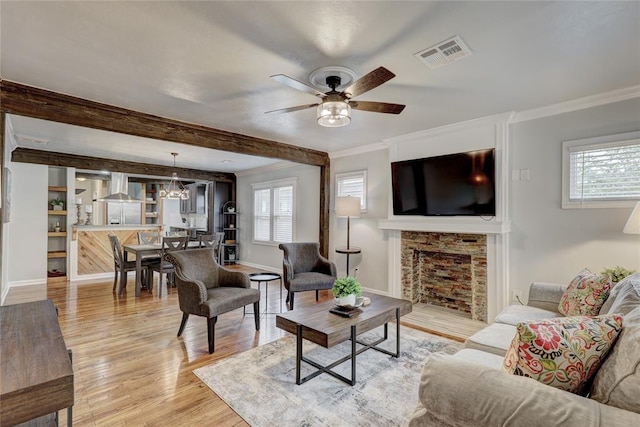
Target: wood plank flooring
{"type": "Point", "coordinates": [132, 370]}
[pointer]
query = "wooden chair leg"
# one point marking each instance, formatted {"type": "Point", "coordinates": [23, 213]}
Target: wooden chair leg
{"type": "Point", "coordinates": [115, 279]}
{"type": "Point", "coordinates": [316, 295]}
{"type": "Point", "coordinates": [160, 282]}
{"type": "Point", "coordinates": [256, 314]}
{"type": "Point", "coordinates": [211, 329]}
{"type": "Point", "coordinates": [185, 316]}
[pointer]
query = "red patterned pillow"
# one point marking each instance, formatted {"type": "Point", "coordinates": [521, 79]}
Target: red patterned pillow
{"type": "Point", "coordinates": [585, 295]}
{"type": "Point", "coordinates": [563, 352]}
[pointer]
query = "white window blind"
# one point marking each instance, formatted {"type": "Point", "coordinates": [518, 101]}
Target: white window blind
{"type": "Point", "coordinates": [353, 184]}
{"type": "Point", "coordinates": [273, 211]}
{"type": "Point", "coordinates": [262, 214]}
{"type": "Point", "coordinates": [283, 214]}
{"type": "Point", "coordinates": [600, 173]}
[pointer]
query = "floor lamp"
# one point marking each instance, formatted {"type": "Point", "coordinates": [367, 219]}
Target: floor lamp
{"type": "Point", "coordinates": [349, 207]}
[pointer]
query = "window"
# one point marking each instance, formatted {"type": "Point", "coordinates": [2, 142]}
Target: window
{"type": "Point", "coordinates": [601, 172]}
{"type": "Point", "coordinates": [273, 211]}
{"type": "Point", "coordinates": [353, 184]}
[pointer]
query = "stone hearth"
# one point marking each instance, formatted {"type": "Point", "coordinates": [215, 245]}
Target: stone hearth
{"type": "Point", "coordinates": [445, 269]}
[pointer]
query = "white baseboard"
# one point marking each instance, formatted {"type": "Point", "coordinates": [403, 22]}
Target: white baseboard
{"type": "Point", "coordinates": [260, 267]}
{"type": "Point", "coordinates": [375, 291]}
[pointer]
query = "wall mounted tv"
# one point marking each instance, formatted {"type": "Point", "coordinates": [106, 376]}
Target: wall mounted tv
{"type": "Point", "coordinates": [454, 184]}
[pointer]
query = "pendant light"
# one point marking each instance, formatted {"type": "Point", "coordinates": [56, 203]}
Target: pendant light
{"type": "Point", "coordinates": [175, 190]}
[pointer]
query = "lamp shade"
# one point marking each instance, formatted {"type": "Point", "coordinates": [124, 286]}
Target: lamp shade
{"type": "Point", "coordinates": [334, 114]}
{"type": "Point", "coordinates": [348, 206]}
{"type": "Point", "coordinates": [633, 223]}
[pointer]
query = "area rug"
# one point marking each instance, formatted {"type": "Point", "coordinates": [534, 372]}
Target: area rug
{"type": "Point", "coordinates": [260, 384]}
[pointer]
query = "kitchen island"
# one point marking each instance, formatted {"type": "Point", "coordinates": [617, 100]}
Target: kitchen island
{"type": "Point", "coordinates": [91, 250]}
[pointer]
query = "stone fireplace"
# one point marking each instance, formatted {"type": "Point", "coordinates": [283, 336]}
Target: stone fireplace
{"type": "Point", "coordinates": [445, 269]}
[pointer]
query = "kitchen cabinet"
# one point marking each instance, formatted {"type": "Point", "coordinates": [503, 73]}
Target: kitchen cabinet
{"type": "Point", "coordinates": [196, 202]}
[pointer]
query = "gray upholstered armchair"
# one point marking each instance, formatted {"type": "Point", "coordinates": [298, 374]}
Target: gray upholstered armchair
{"type": "Point", "coordinates": [207, 289]}
{"type": "Point", "coordinates": [304, 269]}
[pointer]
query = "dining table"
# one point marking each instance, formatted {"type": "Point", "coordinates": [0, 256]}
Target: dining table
{"type": "Point", "coordinates": [143, 250]}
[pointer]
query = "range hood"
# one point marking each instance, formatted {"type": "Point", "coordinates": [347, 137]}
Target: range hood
{"type": "Point", "coordinates": [118, 189]}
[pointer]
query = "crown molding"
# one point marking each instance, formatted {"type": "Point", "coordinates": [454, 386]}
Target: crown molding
{"type": "Point", "coordinates": [578, 104]}
{"type": "Point", "coordinates": [359, 150]}
{"type": "Point", "coordinates": [266, 169]}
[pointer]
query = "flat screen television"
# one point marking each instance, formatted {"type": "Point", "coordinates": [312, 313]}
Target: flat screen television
{"type": "Point", "coordinates": [454, 184]}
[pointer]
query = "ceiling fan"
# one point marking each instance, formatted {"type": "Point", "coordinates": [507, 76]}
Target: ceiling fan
{"type": "Point", "coordinates": [335, 108]}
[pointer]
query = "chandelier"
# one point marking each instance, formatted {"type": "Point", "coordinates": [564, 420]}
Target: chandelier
{"type": "Point", "coordinates": [175, 190]}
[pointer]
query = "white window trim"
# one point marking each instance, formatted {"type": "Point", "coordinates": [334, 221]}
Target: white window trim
{"type": "Point", "coordinates": [342, 175]}
{"type": "Point", "coordinates": [271, 185]}
{"type": "Point", "coordinates": [601, 141]}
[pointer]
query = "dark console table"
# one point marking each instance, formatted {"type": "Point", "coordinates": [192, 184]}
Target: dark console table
{"type": "Point", "coordinates": [36, 376]}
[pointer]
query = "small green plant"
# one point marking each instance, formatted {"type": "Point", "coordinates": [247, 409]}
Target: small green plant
{"type": "Point", "coordinates": [346, 286]}
{"type": "Point", "coordinates": [57, 202]}
{"type": "Point", "coordinates": [617, 273]}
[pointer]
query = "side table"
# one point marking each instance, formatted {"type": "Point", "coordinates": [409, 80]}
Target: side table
{"type": "Point", "coordinates": [352, 250]}
{"type": "Point", "coordinates": [266, 278]}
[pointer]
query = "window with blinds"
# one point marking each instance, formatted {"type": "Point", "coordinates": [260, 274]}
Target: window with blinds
{"type": "Point", "coordinates": [600, 173]}
{"type": "Point", "coordinates": [273, 212]}
{"type": "Point", "coordinates": [353, 184]}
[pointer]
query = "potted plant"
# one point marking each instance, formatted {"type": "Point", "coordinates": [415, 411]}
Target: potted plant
{"type": "Point", "coordinates": [617, 273]}
{"type": "Point", "coordinates": [57, 204]}
{"type": "Point", "coordinates": [231, 252]}
{"type": "Point", "coordinates": [345, 290]}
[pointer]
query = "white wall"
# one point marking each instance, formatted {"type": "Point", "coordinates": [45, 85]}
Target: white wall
{"type": "Point", "coordinates": [26, 255]}
{"type": "Point", "coordinates": [551, 244]}
{"type": "Point", "coordinates": [307, 212]}
{"type": "Point", "coordinates": [365, 234]}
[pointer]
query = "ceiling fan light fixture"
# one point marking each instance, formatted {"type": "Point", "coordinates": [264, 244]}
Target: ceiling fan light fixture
{"type": "Point", "coordinates": [334, 114]}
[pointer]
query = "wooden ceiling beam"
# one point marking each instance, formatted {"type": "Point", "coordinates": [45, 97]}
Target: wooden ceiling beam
{"type": "Point", "coordinates": [41, 157]}
{"type": "Point", "coordinates": [16, 98]}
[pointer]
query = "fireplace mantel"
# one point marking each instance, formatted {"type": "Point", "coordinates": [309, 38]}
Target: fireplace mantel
{"type": "Point", "coordinates": [446, 225]}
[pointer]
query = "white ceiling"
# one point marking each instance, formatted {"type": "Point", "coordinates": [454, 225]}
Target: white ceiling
{"type": "Point", "coordinates": [209, 63]}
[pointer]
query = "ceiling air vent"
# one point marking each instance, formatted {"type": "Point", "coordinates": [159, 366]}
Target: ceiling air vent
{"type": "Point", "coordinates": [443, 53]}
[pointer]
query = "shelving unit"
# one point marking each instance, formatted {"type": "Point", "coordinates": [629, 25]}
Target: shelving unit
{"type": "Point", "coordinates": [229, 223]}
{"type": "Point", "coordinates": [151, 207]}
{"type": "Point", "coordinates": [57, 227]}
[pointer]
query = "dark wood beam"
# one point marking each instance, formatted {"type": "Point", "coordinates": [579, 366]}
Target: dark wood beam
{"type": "Point", "coordinates": [41, 157]}
{"type": "Point", "coordinates": [325, 177]}
{"type": "Point", "coordinates": [43, 104]}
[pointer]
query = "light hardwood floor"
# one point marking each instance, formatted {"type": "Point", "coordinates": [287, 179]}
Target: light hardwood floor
{"type": "Point", "coordinates": [131, 369]}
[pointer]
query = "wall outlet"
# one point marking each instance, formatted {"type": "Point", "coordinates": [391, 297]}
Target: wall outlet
{"type": "Point", "coordinates": [516, 296]}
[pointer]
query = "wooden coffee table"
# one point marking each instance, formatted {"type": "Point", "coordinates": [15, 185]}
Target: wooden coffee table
{"type": "Point", "coordinates": [318, 325]}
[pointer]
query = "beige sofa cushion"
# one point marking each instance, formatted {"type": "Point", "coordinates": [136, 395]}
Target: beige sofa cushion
{"type": "Point", "coordinates": [624, 297]}
{"type": "Point", "coordinates": [617, 382]}
{"type": "Point", "coordinates": [495, 338]}
{"type": "Point", "coordinates": [454, 392]}
{"type": "Point", "coordinates": [514, 314]}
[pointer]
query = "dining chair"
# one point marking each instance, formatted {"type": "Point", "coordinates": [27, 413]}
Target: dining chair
{"type": "Point", "coordinates": [169, 244]}
{"type": "Point", "coordinates": [122, 266]}
{"type": "Point", "coordinates": [149, 238]}
{"type": "Point", "coordinates": [213, 241]}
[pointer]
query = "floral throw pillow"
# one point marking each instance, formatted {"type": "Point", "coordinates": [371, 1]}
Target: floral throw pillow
{"type": "Point", "coordinates": [562, 352]}
{"type": "Point", "coordinates": [585, 294]}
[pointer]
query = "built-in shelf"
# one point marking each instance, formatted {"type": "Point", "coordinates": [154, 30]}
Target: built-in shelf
{"type": "Point", "coordinates": [56, 254]}
{"type": "Point", "coordinates": [57, 244]}
{"type": "Point", "coordinates": [57, 234]}
{"type": "Point", "coordinates": [57, 188]}
{"type": "Point", "coordinates": [56, 213]}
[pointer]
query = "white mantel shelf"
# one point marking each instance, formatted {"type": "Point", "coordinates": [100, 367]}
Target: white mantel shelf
{"type": "Point", "coordinates": [446, 225]}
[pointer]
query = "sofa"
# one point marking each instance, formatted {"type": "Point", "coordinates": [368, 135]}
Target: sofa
{"type": "Point", "coordinates": [472, 387]}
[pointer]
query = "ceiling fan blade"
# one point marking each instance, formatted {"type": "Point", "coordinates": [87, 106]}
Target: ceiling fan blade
{"type": "Point", "coordinates": [377, 107]}
{"type": "Point", "coordinates": [368, 82]}
{"type": "Point", "coordinates": [290, 109]}
{"type": "Point", "coordinates": [286, 80]}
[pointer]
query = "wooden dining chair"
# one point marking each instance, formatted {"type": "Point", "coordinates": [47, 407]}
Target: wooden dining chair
{"type": "Point", "coordinates": [213, 241]}
{"type": "Point", "coordinates": [122, 266]}
{"type": "Point", "coordinates": [169, 244]}
{"type": "Point", "coordinates": [149, 238]}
